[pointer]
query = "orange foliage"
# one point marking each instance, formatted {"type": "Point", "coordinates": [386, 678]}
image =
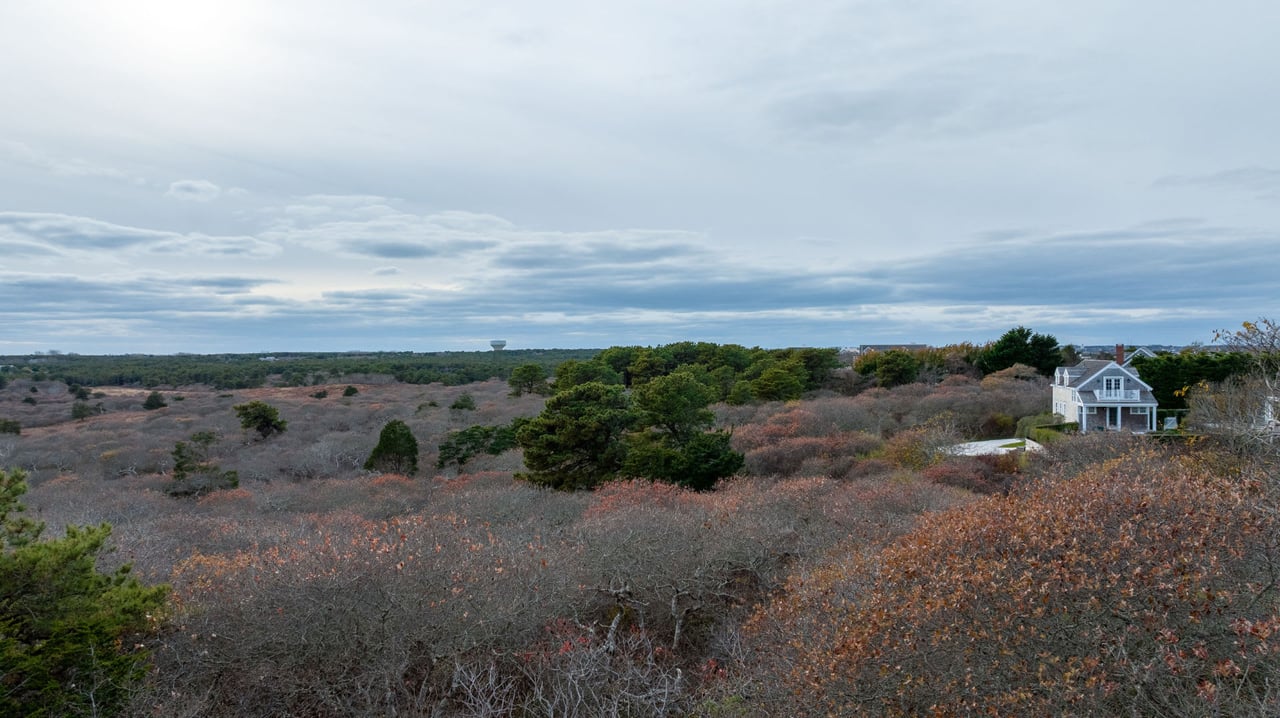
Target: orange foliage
{"type": "Point", "coordinates": [1140, 589]}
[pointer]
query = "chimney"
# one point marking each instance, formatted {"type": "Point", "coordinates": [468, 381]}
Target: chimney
{"type": "Point", "coordinates": [1120, 354]}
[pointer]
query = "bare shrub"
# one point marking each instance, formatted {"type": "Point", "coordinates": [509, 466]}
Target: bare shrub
{"type": "Point", "coordinates": [1117, 592]}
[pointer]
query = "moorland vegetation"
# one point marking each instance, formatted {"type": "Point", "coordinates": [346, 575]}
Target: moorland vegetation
{"type": "Point", "coordinates": [837, 559]}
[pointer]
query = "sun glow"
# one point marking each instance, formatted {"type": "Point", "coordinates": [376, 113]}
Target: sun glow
{"type": "Point", "coordinates": [179, 32]}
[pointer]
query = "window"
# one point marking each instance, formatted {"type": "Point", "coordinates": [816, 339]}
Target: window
{"type": "Point", "coordinates": [1142, 410]}
{"type": "Point", "coordinates": [1112, 384]}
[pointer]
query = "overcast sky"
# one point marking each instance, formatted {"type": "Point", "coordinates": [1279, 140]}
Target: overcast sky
{"type": "Point", "coordinates": [254, 175]}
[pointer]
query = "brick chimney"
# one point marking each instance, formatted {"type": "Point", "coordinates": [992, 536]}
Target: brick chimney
{"type": "Point", "coordinates": [1120, 354]}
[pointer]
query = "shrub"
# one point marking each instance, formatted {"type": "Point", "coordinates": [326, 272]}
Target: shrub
{"type": "Point", "coordinates": [350, 391]}
{"type": "Point", "coordinates": [260, 417]}
{"type": "Point", "coordinates": [154, 401]}
{"type": "Point", "coordinates": [990, 474]}
{"type": "Point", "coordinates": [82, 410]}
{"type": "Point", "coordinates": [193, 473]}
{"type": "Point", "coordinates": [1142, 588]}
{"type": "Point", "coordinates": [1027, 423]}
{"type": "Point", "coordinates": [320, 394]}
{"type": "Point", "coordinates": [10, 426]}
{"type": "Point", "coordinates": [464, 402]}
{"type": "Point", "coordinates": [1050, 433]}
{"type": "Point", "coordinates": [459, 447]}
{"type": "Point", "coordinates": [397, 450]}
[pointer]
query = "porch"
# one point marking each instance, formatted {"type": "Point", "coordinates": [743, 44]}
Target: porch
{"type": "Point", "coordinates": [1118, 418]}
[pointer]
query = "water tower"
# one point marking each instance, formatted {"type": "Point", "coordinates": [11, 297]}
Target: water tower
{"type": "Point", "coordinates": [498, 344]}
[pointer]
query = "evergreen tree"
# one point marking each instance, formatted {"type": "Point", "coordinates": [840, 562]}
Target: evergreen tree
{"type": "Point", "coordinates": [397, 450]}
{"type": "Point", "coordinates": [260, 417]}
{"type": "Point", "coordinates": [530, 378]}
{"type": "Point", "coordinates": [577, 440]}
{"type": "Point", "coordinates": [1021, 346]}
{"type": "Point", "coordinates": [68, 633]}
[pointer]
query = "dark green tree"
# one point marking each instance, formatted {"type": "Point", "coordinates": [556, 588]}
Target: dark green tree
{"type": "Point", "coordinates": [528, 378]}
{"type": "Point", "coordinates": [1021, 346]}
{"type": "Point", "coordinates": [464, 402]}
{"type": "Point", "coordinates": [397, 450]}
{"type": "Point", "coordinates": [194, 474]}
{"type": "Point", "coordinates": [697, 463]}
{"type": "Point", "coordinates": [779, 383]}
{"type": "Point", "coordinates": [1171, 375]}
{"type": "Point", "coordinates": [577, 440]}
{"type": "Point", "coordinates": [741, 393]}
{"type": "Point", "coordinates": [350, 391]}
{"type": "Point", "coordinates": [572, 372]}
{"type": "Point", "coordinates": [459, 447]}
{"type": "Point", "coordinates": [154, 401]}
{"type": "Point", "coordinates": [261, 417]}
{"type": "Point", "coordinates": [676, 404]}
{"type": "Point", "coordinates": [673, 444]}
{"type": "Point", "coordinates": [818, 364]}
{"type": "Point", "coordinates": [1070, 355]}
{"type": "Point", "coordinates": [651, 362]}
{"type": "Point", "coordinates": [891, 368]}
{"type": "Point", "coordinates": [68, 633]}
{"type": "Point", "coordinates": [81, 410]}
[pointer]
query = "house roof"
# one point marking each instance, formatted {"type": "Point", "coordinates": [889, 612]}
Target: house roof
{"type": "Point", "coordinates": [1084, 371]}
{"type": "Point", "coordinates": [1087, 369]}
{"type": "Point", "coordinates": [1139, 352]}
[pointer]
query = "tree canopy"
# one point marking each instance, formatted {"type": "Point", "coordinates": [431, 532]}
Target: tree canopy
{"type": "Point", "coordinates": [397, 450]}
{"type": "Point", "coordinates": [596, 432]}
{"type": "Point", "coordinates": [261, 417]}
{"type": "Point", "coordinates": [64, 626]}
{"type": "Point", "coordinates": [1021, 346]}
{"type": "Point", "coordinates": [576, 442]}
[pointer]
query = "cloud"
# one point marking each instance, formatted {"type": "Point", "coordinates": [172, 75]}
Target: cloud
{"type": "Point", "coordinates": [194, 190]}
{"type": "Point", "coordinates": [22, 154]}
{"type": "Point", "coordinates": [66, 233]}
{"type": "Point", "coordinates": [369, 226]}
{"type": "Point", "coordinates": [1178, 264]}
{"type": "Point", "coordinates": [1264, 182]}
{"type": "Point", "coordinates": [977, 95]}
{"type": "Point", "coordinates": [633, 285]}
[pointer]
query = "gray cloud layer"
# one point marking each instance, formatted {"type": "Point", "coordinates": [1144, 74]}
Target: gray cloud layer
{"type": "Point", "coordinates": [429, 176]}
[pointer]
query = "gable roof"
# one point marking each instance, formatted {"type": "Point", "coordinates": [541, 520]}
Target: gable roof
{"type": "Point", "coordinates": [1139, 352]}
{"type": "Point", "coordinates": [1089, 369]}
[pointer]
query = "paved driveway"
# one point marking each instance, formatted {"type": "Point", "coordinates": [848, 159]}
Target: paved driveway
{"type": "Point", "coordinates": [993, 446]}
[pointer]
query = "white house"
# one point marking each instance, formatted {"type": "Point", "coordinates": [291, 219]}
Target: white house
{"type": "Point", "coordinates": [1101, 394]}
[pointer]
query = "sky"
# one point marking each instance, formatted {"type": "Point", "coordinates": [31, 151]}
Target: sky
{"type": "Point", "coordinates": [245, 175]}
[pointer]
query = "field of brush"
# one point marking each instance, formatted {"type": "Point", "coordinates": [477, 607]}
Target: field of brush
{"type": "Point", "coordinates": [318, 588]}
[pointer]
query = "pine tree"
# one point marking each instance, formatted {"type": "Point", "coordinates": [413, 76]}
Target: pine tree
{"type": "Point", "coordinates": [68, 633]}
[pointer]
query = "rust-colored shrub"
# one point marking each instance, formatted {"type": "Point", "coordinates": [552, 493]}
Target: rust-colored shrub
{"type": "Point", "coordinates": [1143, 589]}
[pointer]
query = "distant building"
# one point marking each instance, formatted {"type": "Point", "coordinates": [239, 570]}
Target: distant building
{"type": "Point", "coordinates": [498, 344]}
{"type": "Point", "coordinates": [1104, 394]}
{"type": "Point", "coordinates": [863, 349]}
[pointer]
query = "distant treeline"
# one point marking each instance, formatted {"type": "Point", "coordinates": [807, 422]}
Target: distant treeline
{"type": "Point", "coordinates": [792, 370]}
{"type": "Point", "coordinates": [243, 371]}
